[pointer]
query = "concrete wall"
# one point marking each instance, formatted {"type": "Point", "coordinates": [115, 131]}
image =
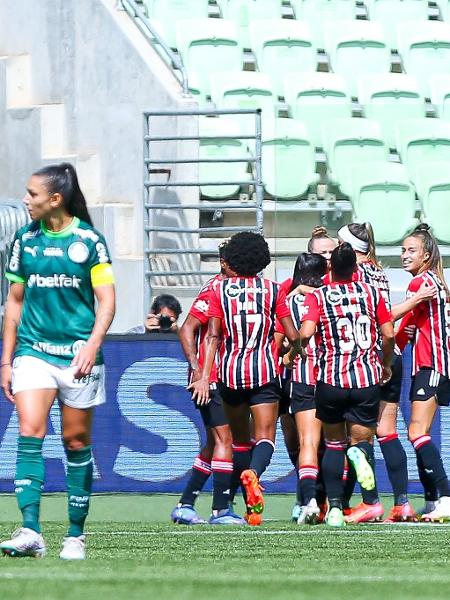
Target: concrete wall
{"type": "Point", "coordinates": [75, 77]}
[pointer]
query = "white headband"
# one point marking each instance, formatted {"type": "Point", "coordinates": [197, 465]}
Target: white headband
{"type": "Point", "coordinates": [347, 236]}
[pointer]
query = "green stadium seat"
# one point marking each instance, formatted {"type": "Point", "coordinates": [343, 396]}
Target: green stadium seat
{"type": "Point", "coordinates": [169, 12]}
{"type": "Point", "coordinates": [391, 12]}
{"type": "Point", "coordinates": [282, 47]}
{"type": "Point", "coordinates": [219, 148]}
{"type": "Point", "coordinates": [245, 12]}
{"type": "Point", "coordinates": [425, 50]}
{"type": "Point", "coordinates": [421, 141]}
{"type": "Point", "coordinates": [440, 95]}
{"type": "Point", "coordinates": [244, 90]}
{"type": "Point", "coordinates": [357, 48]}
{"type": "Point", "coordinates": [205, 44]}
{"type": "Point", "coordinates": [316, 97]}
{"type": "Point", "coordinates": [444, 7]}
{"type": "Point", "coordinates": [351, 141]}
{"type": "Point", "coordinates": [317, 13]}
{"type": "Point", "coordinates": [390, 98]}
{"type": "Point", "coordinates": [288, 159]}
{"type": "Point", "coordinates": [433, 189]}
{"type": "Point", "coordinates": [383, 195]}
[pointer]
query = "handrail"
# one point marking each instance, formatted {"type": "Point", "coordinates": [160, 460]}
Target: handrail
{"type": "Point", "coordinates": [147, 29]}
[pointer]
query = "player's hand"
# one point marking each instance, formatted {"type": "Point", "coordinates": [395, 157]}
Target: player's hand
{"type": "Point", "coordinates": [6, 382]}
{"type": "Point", "coordinates": [85, 360]}
{"type": "Point", "coordinates": [426, 292]}
{"type": "Point", "coordinates": [300, 289]}
{"type": "Point", "coordinates": [386, 374]}
{"type": "Point", "coordinates": [200, 391]}
{"type": "Point", "coordinates": [410, 331]}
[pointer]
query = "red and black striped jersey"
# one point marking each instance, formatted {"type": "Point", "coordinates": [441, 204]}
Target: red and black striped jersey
{"type": "Point", "coordinates": [431, 346]}
{"type": "Point", "coordinates": [248, 308]}
{"type": "Point", "coordinates": [368, 272]}
{"type": "Point", "coordinates": [347, 316]}
{"type": "Point", "coordinates": [200, 310]}
{"type": "Point", "coordinates": [304, 369]}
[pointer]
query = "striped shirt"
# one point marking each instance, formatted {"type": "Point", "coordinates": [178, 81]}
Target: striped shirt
{"type": "Point", "coordinates": [304, 369]}
{"type": "Point", "coordinates": [248, 308]}
{"type": "Point", "coordinates": [200, 310]}
{"type": "Point", "coordinates": [347, 315]}
{"type": "Point", "coordinates": [431, 346]}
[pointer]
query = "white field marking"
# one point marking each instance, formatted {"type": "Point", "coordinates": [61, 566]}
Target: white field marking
{"type": "Point", "coordinates": [313, 578]}
{"type": "Point", "coordinates": [388, 530]}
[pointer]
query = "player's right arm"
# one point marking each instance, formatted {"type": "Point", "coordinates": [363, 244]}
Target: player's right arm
{"type": "Point", "coordinates": [13, 311]}
{"type": "Point", "coordinates": [188, 335]}
{"type": "Point", "coordinates": [384, 321]}
{"type": "Point", "coordinates": [200, 387]}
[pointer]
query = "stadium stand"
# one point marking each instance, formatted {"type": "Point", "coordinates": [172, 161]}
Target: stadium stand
{"type": "Point", "coordinates": [245, 12]}
{"type": "Point", "coordinates": [425, 50]}
{"type": "Point", "coordinates": [315, 98]}
{"type": "Point", "coordinates": [166, 13]}
{"type": "Point", "coordinates": [375, 189]}
{"type": "Point", "coordinates": [390, 98]}
{"type": "Point", "coordinates": [286, 145]}
{"type": "Point", "coordinates": [433, 188]}
{"type": "Point", "coordinates": [283, 47]}
{"type": "Point", "coordinates": [391, 12]}
{"type": "Point", "coordinates": [318, 13]}
{"type": "Point", "coordinates": [440, 95]}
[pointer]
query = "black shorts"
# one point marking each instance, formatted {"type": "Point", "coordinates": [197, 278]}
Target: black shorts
{"type": "Point", "coordinates": [302, 397]}
{"type": "Point", "coordinates": [357, 405]}
{"type": "Point", "coordinates": [213, 413]}
{"type": "Point", "coordinates": [285, 399]}
{"type": "Point", "coordinates": [428, 383]}
{"type": "Point", "coordinates": [391, 391]}
{"type": "Point", "coordinates": [265, 394]}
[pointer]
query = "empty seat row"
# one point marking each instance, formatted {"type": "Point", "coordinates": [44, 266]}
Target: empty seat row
{"type": "Point", "coordinates": [286, 47]}
{"type": "Point", "coordinates": [315, 13]}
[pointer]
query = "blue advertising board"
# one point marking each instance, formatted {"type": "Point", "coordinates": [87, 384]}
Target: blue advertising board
{"type": "Point", "coordinates": [148, 432]}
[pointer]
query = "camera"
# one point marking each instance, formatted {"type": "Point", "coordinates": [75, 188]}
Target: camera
{"type": "Point", "coordinates": [165, 323]}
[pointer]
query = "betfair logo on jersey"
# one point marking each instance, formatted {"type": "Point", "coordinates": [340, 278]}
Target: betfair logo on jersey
{"type": "Point", "coordinates": [53, 281]}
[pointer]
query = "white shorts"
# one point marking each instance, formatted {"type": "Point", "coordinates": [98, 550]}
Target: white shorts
{"type": "Point", "coordinates": [31, 373]}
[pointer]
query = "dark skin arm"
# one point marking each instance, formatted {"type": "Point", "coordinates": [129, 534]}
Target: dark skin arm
{"type": "Point", "coordinates": [294, 339]}
{"type": "Point", "coordinates": [200, 387]}
{"type": "Point", "coordinates": [388, 343]}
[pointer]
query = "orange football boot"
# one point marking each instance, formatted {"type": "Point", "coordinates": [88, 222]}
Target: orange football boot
{"type": "Point", "coordinates": [253, 491]}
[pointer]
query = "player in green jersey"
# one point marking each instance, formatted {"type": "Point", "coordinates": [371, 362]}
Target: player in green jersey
{"type": "Point", "coordinates": [58, 266]}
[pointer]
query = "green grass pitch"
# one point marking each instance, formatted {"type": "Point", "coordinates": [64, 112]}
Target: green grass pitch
{"type": "Point", "coordinates": [135, 553]}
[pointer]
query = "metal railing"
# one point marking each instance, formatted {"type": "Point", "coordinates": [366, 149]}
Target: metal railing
{"type": "Point", "coordinates": [181, 233]}
{"type": "Point", "coordinates": [13, 216]}
{"type": "Point", "coordinates": [136, 12]}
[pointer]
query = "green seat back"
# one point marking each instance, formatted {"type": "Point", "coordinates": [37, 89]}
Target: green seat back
{"type": "Point", "coordinates": [315, 98]}
{"type": "Point", "coordinates": [206, 44]}
{"type": "Point", "coordinates": [245, 12]}
{"type": "Point", "coordinates": [391, 12]}
{"type": "Point", "coordinates": [440, 95]}
{"type": "Point", "coordinates": [285, 148]}
{"type": "Point", "coordinates": [433, 188]}
{"type": "Point", "coordinates": [169, 12]}
{"type": "Point", "coordinates": [282, 47]}
{"type": "Point", "coordinates": [318, 13]}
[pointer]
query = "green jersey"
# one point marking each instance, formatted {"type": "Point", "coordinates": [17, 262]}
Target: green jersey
{"type": "Point", "coordinates": [58, 306]}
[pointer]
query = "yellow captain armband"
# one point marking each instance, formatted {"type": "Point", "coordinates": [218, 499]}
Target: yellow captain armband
{"type": "Point", "coordinates": [102, 274]}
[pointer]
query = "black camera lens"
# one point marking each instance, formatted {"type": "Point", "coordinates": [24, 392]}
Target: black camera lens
{"type": "Point", "coordinates": [165, 323]}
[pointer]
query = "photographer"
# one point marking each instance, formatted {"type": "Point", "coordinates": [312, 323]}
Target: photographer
{"type": "Point", "coordinates": [163, 316]}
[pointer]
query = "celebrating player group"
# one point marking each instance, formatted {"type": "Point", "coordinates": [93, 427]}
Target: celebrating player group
{"type": "Point", "coordinates": [323, 352]}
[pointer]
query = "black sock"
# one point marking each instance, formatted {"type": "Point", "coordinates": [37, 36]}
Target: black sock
{"type": "Point", "coordinates": [222, 471]}
{"type": "Point", "coordinates": [396, 465]}
{"type": "Point", "coordinates": [349, 484]}
{"type": "Point", "coordinates": [432, 462]}
{"type": "Point", "coordinates": [298, 489]}
{"type": "Point", "coordinates": [332, 469]}
{"type": "Point", "coordinates": [369, 496]}
{"type": "Point", "coordinates": [307, 479]}
{"type": "Point", "coordinates": [321, 495]}
{"type": "Point", "coordinates": [262, 453]}
{"type": "Point", "coordinates": [242, 455]}
{"type": "Point", "coordinates": [200, 473]}
{"type": "Point", "coordinates": [431, 493]}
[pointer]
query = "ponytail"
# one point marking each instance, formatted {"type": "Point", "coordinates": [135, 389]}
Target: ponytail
{"type": "Point", "coordinates": [364, 232]}
{"type": "Point", "coordinates": [62, 179]}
